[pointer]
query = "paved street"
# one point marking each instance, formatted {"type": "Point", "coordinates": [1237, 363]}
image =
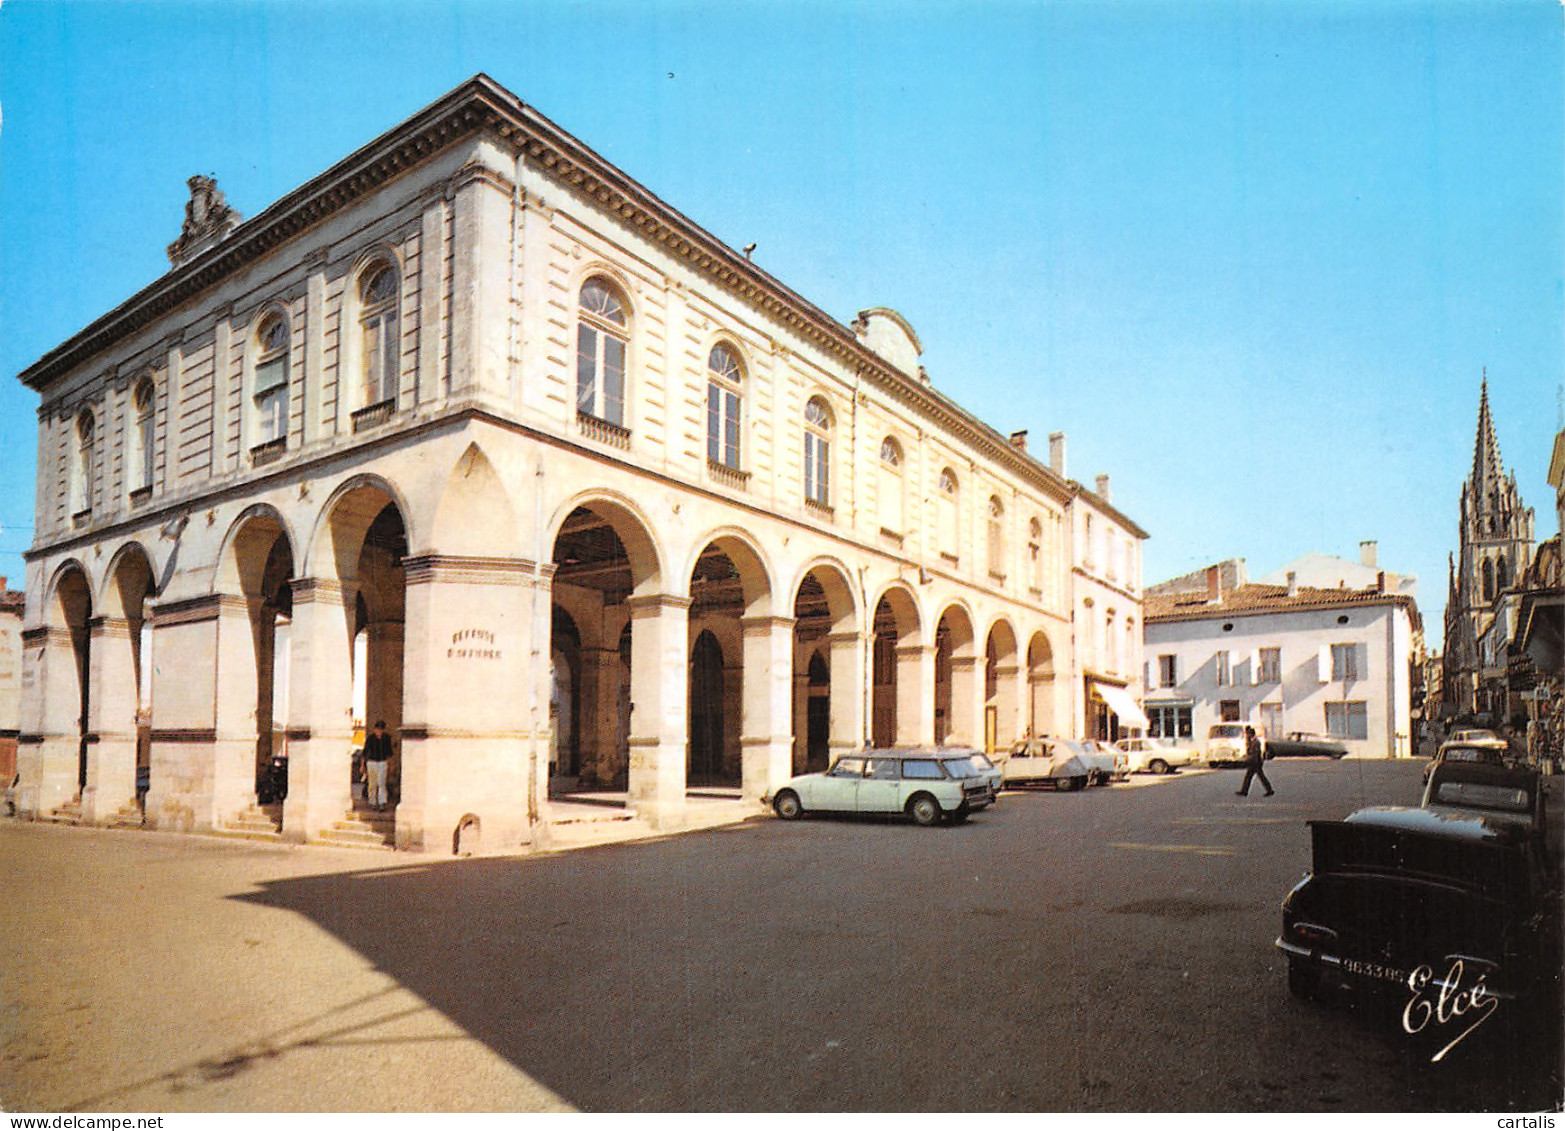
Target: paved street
{"type": "Point", "coordinates": [1101, 951]}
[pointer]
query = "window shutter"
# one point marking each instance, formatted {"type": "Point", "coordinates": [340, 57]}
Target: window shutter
{"type": "Point", "coordinates": [1324, 661]}
{"type": "Point", "coordinates": [1255, 666]}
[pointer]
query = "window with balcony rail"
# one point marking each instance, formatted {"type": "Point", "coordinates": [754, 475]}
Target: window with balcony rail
{"type": "Point", "coordinates": [602, 345]}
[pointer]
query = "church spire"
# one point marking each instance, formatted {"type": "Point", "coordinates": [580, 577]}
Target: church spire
{"type": "Point", "coordinates": [1486, 449]}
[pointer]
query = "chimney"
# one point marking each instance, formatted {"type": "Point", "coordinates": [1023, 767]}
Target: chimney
{"type": "Point", "coordinates": [1057, 453]}
{"type": "Point", "coordinates": [1293, 584]}
{"type": "Point", "coordinates": [1103, 488]}
{"type": "Point", "coordinates": [1214, 584]}
{"type": "Point", "coordinates": [1367, 553]}
{"type": "Point", "coordinates": [1380, 580]}
{"type": "Point", "coordinates": [1019, 440]}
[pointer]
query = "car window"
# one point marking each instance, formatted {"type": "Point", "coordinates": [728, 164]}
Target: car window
{"type": "Point", "coordinates": [1482, 795]}
{"type": "Point", "coordinates": [1471, 754]}
{"type": "Point", "coordinates": [958, 767]}
{"type": "Point", "coordinates": [981, 761]}
{"type": "Point", "coordinates": [882, 769]}
{"type": "Point", "coordinates": [1020, 750]}
{"type": "Point", "coordinates": [847, 768]}
{"type": "Point", "coordinates": [924, 769]}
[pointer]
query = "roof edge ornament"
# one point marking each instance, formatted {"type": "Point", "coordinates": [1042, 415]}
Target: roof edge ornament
{"type": "Point", "coordinates": [888, 334]}
{"type": "Point", "coordinates": [208, 218]}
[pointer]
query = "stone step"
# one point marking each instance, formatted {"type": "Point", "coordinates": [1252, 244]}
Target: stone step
{"type": "Point", "coordinates": [354, 838]}
{"type": "Point", "coordinates": [68, 814]}
{"type": "Point", "coordinates": [257, 822]}
{"type": "Point", "coordinates": [129, 817]}
{"type": "Point", "coordinates": [362, 827]}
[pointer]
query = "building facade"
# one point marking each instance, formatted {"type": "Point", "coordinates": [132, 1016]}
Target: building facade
{"type": "Point", "coordinates": [1494, 552]}
{"type": "Point", "coordinates": [1283, 658]}
{"type": "Point", "coordinates": [475, 435]}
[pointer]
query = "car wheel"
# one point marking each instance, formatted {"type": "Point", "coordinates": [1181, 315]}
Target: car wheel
{"type": "Point", "coordinates": [1158, 766]}
{"type": "Point", "coordinates": [787, 805]}
{"type": "Point", "coordinates": [924, 810]}
{"type": "Point", "coordinates": [1303, 980]}
{"type": "Point", "coordinates": [1071, 785]}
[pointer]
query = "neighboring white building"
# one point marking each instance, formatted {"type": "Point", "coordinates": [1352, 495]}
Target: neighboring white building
{"type": "Point", "coordinates": [474, 434]}
{"type": "Point", "coordinates": [1284, 658]}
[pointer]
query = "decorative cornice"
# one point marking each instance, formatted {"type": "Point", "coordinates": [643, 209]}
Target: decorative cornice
{"type": "Point", "coordinates": [307, 589]}
{"type": "Point", "coordinates": [426, 568]}
{"type": "Point", "coordinates": [193, 610]}
{"type": "Point", "coordinates": [190, 734]}
{"type": "Point", "coordinates": [652, 604]}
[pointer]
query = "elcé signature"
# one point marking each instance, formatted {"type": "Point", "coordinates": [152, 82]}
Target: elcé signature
{"type": "Point", "coordinates": [1452, 1003]}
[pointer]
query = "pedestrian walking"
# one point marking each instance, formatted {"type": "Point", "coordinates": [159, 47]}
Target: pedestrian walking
{"type": "Point", "coordinates": [1254, 757]}
{"type": "Point", "coordinates": [377, 752]}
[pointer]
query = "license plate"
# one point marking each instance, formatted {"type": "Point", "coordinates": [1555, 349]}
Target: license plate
{"type": "Point", "coordinates": [1374, 970]}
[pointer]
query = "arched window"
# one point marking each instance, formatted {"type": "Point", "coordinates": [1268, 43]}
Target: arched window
{"type": "Point", "coordinates": [724, 402]}
{"type": "Point", "coordinates": [1488, 580]}
{"type": "Point", "coordinates": [817, 452]}
{"type": "Point", "coordinates": [1035, 556]}
{"type": "Point", "coordinates": [1502, 575]}
{"type": "Point", "coordinates": [602, 339]}
{"type": "Point", "coordinates": [996, 537]}
{"type": "Point", "coordinates": [946, 504]}
{"type": "Point", "coordinates": [891, 485]}
{"type": "Point", "coordinates": [271, 380]}
{"type": "Point", "coordinates": [142, 436]}
{"type": "Point", "coordinates": [379, 291]}
{"type": "Point", "coordinates": [82, 473]}
{"type": "Point", "coordinates": [1110, 640]}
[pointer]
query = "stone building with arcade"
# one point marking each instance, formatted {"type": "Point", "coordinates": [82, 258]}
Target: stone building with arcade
{"type": "Point", "coordinates": [474, 434]}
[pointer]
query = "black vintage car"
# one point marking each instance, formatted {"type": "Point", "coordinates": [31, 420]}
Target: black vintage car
{"type": "Point", "coordinates": [1299, 744]}
{"type": "Point", "coordinates": [1424, 906]}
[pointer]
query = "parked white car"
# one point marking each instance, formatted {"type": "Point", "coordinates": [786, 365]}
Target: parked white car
{"type": "Point", "coordinates": [926, 785]}
{"type": "Point", "coordinates": [1155, 755]}
{"type": "Point", "coordinates": [1224, 743]}
{"type": "Point", "coordinates": [1053, 761]}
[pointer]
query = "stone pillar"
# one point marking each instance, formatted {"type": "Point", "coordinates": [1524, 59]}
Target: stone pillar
{"type": "Point", "coordinates": [50, 741]}
{"type": "Point", "coordinates": [243, 664]}
{"type": "Point", "coordinates": [767, 740]}
{"type": "Point", "coordinates": [848, 687]}
{"type": "Point", "coordinates": [659, 698]}
{"type": "Point", "coordinates": [915, 695]}
{"type": "Point", "coordinates": [111, 722]}
{"type": "Point", "coordinates": [801, 719]}
{"type": "Point", "coordinates": [383, 658]}
{"type": "Point", "coordinates": [594, 733]}
{"type": "Point", "coordinates": [1041, 707]}
{"type": "Point", "coordinates": [475, 707]}
{"type": "Point", "coordinates": [967, 702]}
{"type": "Point", "coordinates": [320, 708]}
{"type": "Point", "coordinates": [1007, 705]}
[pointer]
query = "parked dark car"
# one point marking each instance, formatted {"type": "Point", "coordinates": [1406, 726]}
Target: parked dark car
{"type": "Point", "coordinates": [1423, 907]}
{"type": "Point", "coordinates": [1300, 744]}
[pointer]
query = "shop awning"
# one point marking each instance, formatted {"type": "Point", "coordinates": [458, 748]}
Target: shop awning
{"type": "Point", "coordinates": [1123, 705]}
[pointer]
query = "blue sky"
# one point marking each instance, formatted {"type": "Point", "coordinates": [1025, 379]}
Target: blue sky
{"type": "Point", "coordinates": [1250, 257]}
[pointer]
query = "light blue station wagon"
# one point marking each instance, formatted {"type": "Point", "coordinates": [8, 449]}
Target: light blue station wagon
{"type": "Point", "coordinates": [924, 785]}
